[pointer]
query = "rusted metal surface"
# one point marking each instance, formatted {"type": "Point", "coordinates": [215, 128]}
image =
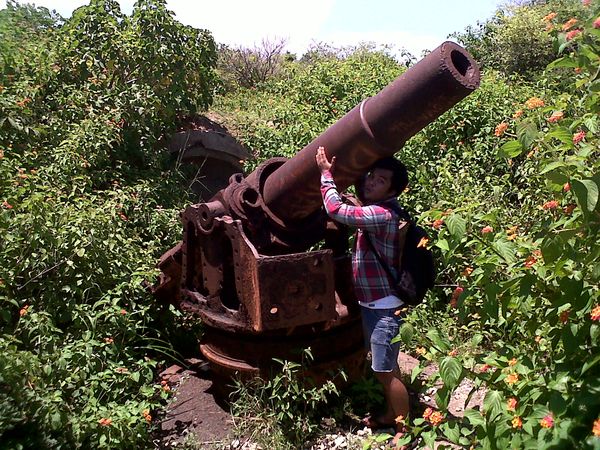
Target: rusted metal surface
{"type": "Point", "coordinates": [243, 266]}
{"type": "Point", "coordinates": [379, 126]}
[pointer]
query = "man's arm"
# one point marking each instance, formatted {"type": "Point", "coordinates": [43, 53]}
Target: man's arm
{"type": "Point", "coordinates": [371, 217]}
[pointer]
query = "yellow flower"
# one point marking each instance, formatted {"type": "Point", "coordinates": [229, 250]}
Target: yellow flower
{"type": "Point", "coordinates": [512, 362]}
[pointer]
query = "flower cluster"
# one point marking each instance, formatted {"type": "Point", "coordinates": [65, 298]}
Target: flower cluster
{"type": "Point", "coordinates": [595, 314]}
{"type": "Point", "coordinates": [556, 116]}
{"type": "Point", "coordinates": [105, 422]}
{"type": "Point", "coordinates": [511, 378]}
{"type": "Point", "coordinates": [534, 102]}
{"type": "Point", "coordinates": [547, 421]}
{"type": "Point", "coordinates": [486, 229]}
{"type": "Point", "coordinates": [578, 137]}
{"type": "Point", "coordinates": [511, 404]}
{"type": "Point", "coordinates": [500, 129]}
{"type": "Point", "coordinates": [433, 417]}
{"type": "Point", "coordinates": [552, 204]}
{"type": "Point", "coordinates": [147, 415]}
{"type": "Point", "coordinates": [437, 223]}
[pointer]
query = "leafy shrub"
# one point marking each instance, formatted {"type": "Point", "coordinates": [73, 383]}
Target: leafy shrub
{"type": "Point", "coordinates": [88, 205]}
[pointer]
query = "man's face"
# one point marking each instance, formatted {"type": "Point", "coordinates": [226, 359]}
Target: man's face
{"type": "Point", "coordinates": [378, 185]}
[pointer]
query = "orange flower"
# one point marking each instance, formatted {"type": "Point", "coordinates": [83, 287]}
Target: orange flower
{"type": "Point", "coordinates": [436, 418]}
{"type": "Point", "coordinates": [556, 116]}
{"type": "Point", "coordinates": [24, 102]}
{"type": "Point", "coordinates": [467, 272]}
{"type": "Point", "coordinates": [105, 422]}
{"type": "Point", "coordinates": [486, 230]}
{"type": "Point", "coordinates": [123, 312]}
{"type": "Point", "coordinates": [564, 316]}
{"type": "Point", "coordinates": [423, 242]}
{"type": "Point", "coordinates": [547, 421]}
{"type": "Point", "coordinates": [566, 187]}
{"type": "Point", "coordinates": [596, 427]}
{"type": "Point", "coordinates": [453, 352]}
{"type": "Point", "coordinates": [427, 413]}
{"type": "Point", "coordinates": [552, 204]}
{"type": "Point", "coordinates": [577, 70]}
{"type": "Point", "coordinates": [517, 422]}
{"type": "Point", "coordinates": [569, 24]}
{"type": "Point", "coordinates": [147, 416]}
{"type": "Point", "coordinates": [512, 362]}
{"type": "Point", "coordinates": [437, 223]}
{"type": "Point", "coordinates": [108, 340]}
{"type": "Point", "coordinates": [578, 137]}
{"type": "Point", "coordinates": [573, 34]}
{"type": "Point", "coordinates": [595, 314]}
{"type": "Point", "coordinates": [518, 113]}
{"type": "Point", "coordinates": [549, 17]}
{"type": "Point", "coordinates": [500, 129]}
{"type": "Point", "coordinates": [511, 378]}
{"type": "Point", "coordinates": [23, 310]}
{"type": "Point", "coordinates": [534, 102]}
{"type": "Point", "coordinates": [511, 404]}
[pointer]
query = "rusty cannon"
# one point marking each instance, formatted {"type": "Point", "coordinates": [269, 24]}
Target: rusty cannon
{"type": "Point", "coordinates": [244, 265]}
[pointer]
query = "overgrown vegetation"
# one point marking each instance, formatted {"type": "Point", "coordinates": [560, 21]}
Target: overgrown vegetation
{"type": "Point", "coordinates": [507, 181]}
{"type": "Point", "coordinates": [88, 205]}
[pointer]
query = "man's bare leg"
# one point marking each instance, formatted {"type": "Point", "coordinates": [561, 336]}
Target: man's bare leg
{"type": "Point", "coordinates": [396, 396]}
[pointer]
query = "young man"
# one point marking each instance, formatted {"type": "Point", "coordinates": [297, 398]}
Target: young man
{"type": "Point", "coordinates": [379, 303]}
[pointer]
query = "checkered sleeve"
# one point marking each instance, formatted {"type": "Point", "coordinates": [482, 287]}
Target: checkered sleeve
{"type": "Point", "coordinates": [372, 217]}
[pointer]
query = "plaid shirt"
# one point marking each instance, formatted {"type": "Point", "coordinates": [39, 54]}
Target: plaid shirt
{"type": "Point", "coordinates": [370, 279]}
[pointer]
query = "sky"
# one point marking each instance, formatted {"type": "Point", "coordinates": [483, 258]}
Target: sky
{"type": "Point", "coordinates": [415, 25]}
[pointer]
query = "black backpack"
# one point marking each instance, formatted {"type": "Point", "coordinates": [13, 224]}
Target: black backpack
{"type": "Point", "coordinates": [417, 268]}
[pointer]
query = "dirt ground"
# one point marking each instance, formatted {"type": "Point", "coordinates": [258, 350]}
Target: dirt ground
{"type": "Point", "coordinates": [194, 415]}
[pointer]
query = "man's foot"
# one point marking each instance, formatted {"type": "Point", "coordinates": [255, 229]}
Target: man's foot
{"type": "Point", "coordinates": [377, 422]}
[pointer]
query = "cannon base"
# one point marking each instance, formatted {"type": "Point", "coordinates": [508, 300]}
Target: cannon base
{"type": "Point", "coordinates": [245, 356]}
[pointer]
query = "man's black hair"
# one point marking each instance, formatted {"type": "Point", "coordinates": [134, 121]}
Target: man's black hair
{"type": "Point", "coordinates": [399, 172]}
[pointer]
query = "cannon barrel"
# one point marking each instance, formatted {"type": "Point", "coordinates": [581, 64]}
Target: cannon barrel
{"type": "Point", "coordinates": [379, 126]}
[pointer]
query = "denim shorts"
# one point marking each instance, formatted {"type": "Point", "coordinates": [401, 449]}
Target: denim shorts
{"type": "Point", "coordinates": [380, 326]}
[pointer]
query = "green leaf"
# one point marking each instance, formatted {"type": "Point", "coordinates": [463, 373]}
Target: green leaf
{"type": "Point", "coordinates": [586, 192]}
{"type": "Point", "coordinates": [589, 364]}
{"type": "Point", "coordinates": [563, 135]}
{"type": "Point", "coordinates": [527, 132]}
{"type": "Point", "coordinates": [511, 149]}
{"type": "Point", "coordinates": [407, 332]}
{"type": "Point", "coordinates": [450, 371]}
{"type": "Point", "coordinates": [493, 403]}
{"type": "Point", "coordinates": [552, 248]}
{"type": "Point", "coordinates": [553, 165]}
{"type": "Point", "coordinates": [474, 417]}
{"type": "Point", "coordinates": [437, 340]}
{"type": "Point", "coordinates": [457, 226]}
{"type": "Point", "coordinates": [443, 244]}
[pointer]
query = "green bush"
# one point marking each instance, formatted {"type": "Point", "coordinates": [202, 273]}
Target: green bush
{"type": "Point", "coordinates": [89, 203]}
